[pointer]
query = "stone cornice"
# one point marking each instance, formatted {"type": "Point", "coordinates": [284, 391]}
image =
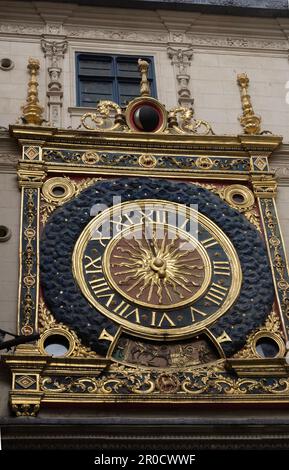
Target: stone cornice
{"type": "Point", "coordinates": [10, 153]}
{"type": "Point", "coordinates": [157, 27]}
{"type": "Point", "coordinates": [232, 7]}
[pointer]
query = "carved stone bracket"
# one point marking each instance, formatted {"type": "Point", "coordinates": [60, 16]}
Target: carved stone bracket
{"type": "Point", "coordinates": [181, 60]}
{"type": "Point", "coordinates": [265, 185]}
{"type": "Point", "coordinates": [54, 51]}
{"type": "Point", "coordinates": [31, 175]}
{"type": "Point", "coordinates": [26, 365]}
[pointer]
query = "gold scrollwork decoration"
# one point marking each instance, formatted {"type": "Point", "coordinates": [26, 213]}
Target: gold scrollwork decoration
{"type": "Point", "coordinates": [271, 329]}
{"type": "Point", "coordinates": [107, 385]}
{"type": "Point", "coordinates": [108, 116]}
{"type": "Point", "coordinates": [48, 325]}
{"type": "Point", "coordinates": [70, 188]}
{"type": "Point", "coordinates": [189, 383]}
{"type": "Point", "coordinates": [182, 121]}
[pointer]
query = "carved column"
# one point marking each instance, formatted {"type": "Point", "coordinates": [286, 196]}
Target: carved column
{"type": "Point", "coordinates": [54, 51]}
{"type": "Point", "coordinates": [181, 60]}
{"type": "Point", "coordinates": [31, 175]}
{"type": "Point", "coordinates": [265, 190]}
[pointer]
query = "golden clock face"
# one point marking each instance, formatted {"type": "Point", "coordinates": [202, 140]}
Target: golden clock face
{"type": "Point", "coordinates": [157, 265]}
{"type": "Point", "coordinates": [157, 268]}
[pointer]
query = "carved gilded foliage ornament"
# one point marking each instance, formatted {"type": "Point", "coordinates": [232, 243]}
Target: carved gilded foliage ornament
{"type": "Point", "coordinates": [181, 120]}
{"type": "Point", "coordinates": [142, 112]}
{"type": "Point", "coordinates": [108, 117]}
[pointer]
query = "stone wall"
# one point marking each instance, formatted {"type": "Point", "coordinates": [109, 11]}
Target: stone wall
{"type": "Point", "coordinates": [220, 47]}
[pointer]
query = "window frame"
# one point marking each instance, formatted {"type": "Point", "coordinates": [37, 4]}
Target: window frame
{"type": "Point", "coordinates": [115, 79]}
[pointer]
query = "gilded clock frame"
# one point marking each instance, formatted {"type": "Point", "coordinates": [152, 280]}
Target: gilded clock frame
{"type": "Point", "coordinates": [148, 333]}
{"type": "Point", "coordinates": [39, 379]}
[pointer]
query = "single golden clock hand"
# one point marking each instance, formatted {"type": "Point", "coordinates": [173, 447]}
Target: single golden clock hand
{"type": "Point", "coordinates": [158, 264]}
{"type": "Point", "coordinates": [149, 241]}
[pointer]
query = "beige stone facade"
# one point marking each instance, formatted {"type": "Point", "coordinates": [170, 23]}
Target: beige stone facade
{"type": "Point", "coordinates": [221, 48]}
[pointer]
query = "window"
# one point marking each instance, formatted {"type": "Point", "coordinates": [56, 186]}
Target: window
{"type": "Point", "coordinates": [110, 77]}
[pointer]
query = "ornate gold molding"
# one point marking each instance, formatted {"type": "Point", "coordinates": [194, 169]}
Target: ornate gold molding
{"type": "Point", "coordinates": [158, 143]}
{"type": "Point", "coordinates": [48, 325]}
{"type": "Point", "coordinates": [182, 121]}
{"type": "Point", "coordinates": [273, 329]}
{"type": "Point", "coordinates": [71, 188]}
{"type": "Point", "coordinates": [264, 185]}
{"type": "Point", "coordinates": [31, 175]}
{"type": "Point", "coordinates": [108, 116]}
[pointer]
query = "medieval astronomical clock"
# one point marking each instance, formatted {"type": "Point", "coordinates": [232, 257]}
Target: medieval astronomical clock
{"type": "Point", "coordinates": [152, 262]}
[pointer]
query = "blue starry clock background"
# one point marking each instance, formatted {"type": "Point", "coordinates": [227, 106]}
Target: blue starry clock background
{"type": "Point", "coordinates": [68, 305]}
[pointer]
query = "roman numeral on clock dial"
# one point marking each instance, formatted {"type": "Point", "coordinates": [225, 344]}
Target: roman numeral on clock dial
{"type": "Point", "coordinates": [216, 293]}
{"type": "Point", "coordinates": [209, 242]}
{"type": "Point", "coordinates": [99, 285]}
{"type": "Point", "coordinates": [195, 312]}
{"type": "Point", "coordinates": [222, 268]}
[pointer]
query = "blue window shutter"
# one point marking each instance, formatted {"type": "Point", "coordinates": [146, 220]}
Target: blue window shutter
{"type": "Point", "coordinates": [110, 77]}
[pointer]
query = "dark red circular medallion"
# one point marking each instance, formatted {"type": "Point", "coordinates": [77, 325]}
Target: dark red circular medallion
{"type": "Point", "coordinates": [146, 115]}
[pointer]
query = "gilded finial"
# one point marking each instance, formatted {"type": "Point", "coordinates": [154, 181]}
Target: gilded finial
{"type": "Point", "coordinates": [249, 120]}
{"type": "Point", "coordinates": [32, 111]}
{"type": "Point", "coordinates": [143, 67]}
